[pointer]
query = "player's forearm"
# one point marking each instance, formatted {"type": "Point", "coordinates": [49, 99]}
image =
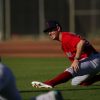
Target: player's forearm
{"type": "Point", "coordinates": [79, 50]}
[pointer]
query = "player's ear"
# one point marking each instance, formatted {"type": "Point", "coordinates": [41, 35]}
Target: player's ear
{"type": "Point", "coordinates": [58, 28]}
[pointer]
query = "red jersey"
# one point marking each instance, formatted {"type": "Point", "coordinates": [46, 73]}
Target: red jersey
{"type": "Point", "coordinates": [69, 43]}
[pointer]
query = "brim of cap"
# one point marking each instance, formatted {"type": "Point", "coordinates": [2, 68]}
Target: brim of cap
{"type": "Point", "coordinates": [48, 29]}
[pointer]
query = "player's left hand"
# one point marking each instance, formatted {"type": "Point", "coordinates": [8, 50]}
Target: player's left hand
{"type": "Point", "coordinates": [75, 65]}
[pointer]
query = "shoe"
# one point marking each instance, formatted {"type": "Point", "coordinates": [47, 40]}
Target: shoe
{"type": "Point", "coordinates": [40, 85]}
{"type": "Point", "coordinates": [52, 95]}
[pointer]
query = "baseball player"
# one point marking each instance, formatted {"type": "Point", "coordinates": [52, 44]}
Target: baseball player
{"type": "Point", "coordinates": [8, 90]}
{"type": "Point", "coordinates": [85, 60]}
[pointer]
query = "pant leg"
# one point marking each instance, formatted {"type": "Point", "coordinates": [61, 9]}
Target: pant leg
{"type": "Point", "coordinates": [79, 79]}
{"type": "Point", "coordinates": [88, 68]}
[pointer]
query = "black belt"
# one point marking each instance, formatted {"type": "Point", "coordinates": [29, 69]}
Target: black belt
{"type": "Point", "coordinates": [95, 52]}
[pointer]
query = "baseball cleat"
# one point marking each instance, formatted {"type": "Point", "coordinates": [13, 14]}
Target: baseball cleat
{"type": "Point", "coordinates": [37, 84]}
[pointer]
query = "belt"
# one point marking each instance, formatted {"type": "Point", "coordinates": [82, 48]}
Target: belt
{"type": "Point", "coordinates": [95, 52]}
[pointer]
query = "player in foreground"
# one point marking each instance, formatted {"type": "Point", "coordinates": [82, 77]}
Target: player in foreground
{"type": "Point", "coordinates": [8, 89]}
{"type": "Point", "coordinates": [85, 59]}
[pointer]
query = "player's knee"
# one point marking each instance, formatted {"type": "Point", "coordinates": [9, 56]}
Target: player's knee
{"type": "Point", "coordinates": [75, 83]}
{"type": "Point", "coordinates": [79, 79]}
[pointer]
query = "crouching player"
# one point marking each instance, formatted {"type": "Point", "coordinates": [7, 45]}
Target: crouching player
{"type": "Point", "coordinates": [85, 60]}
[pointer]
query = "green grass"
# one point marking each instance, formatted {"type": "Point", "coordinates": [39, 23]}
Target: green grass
{"type": "Point", "coordinates": [41, 69]}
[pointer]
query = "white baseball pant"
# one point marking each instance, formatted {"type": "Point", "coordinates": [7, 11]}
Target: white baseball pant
{"type": "Point", "coordinates": [87, 69]}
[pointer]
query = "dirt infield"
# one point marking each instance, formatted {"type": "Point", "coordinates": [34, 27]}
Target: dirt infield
{"type": "Point", "coordinates": [34, 48]}
{"type": "Point", "coordinates": [30, 49]}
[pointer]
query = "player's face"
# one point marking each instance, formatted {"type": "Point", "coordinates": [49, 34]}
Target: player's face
{"type": "Point", "coordinates": [54, 35]}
